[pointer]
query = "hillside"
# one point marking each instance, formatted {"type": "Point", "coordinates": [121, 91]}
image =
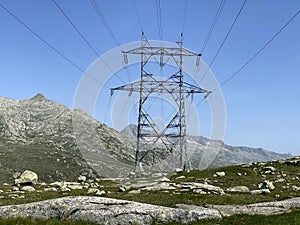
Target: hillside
{"type": "Point", "coordinates": [267, 191]}
{"type": "Point", "coordinates": [37, 134]}
{"type": "Point", "coordinates": [219, 153]}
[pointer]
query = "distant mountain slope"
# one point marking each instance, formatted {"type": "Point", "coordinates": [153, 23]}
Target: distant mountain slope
{"type": "Point", "coordinates": [221, 154]}
{"type": "Point", "coordinates": [37, 134]}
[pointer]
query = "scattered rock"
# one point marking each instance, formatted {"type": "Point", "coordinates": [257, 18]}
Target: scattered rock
{"type": "Point", "coordinates": [220, 174]}
{"type": "Point", "coordinates": [27, 177]}
{"type": "Point", "coordinates": [100, 193]}
{"type": "Point", "coordinates": [65, 189]}
{"type": "Point", "coordinates": [159, 187]}
{"type": "Point", "coordinates": [28, 188]}
{"type": "Point", "coordinates": [92, 191]}
{"type": "Point", "coordinates": [15, 189]}
{"type": "Point", "coordinates": [124, 188]}
{"type": "Point", "coordinates": [163, 179]}
{"type": "Point", "coordinates": [51, 189]}
{"type": "Point", "coordinates": [158, 175]}
{"type": "Point", "coordinates": [279, 180]}
{"type": "Point", "coordinates": [199, 191]}
{"type": "Point", "coordinates": [238, 189]}
{"type": "Point", "coordinates": [178, 170]}
{"type": "Point", "coordinates": [81, 178]}
{"type": "Point", "coordinates": [75, 187]}
{"type": "Point", "coordinates": [1, 191]}
{"type": "Point", "coordinates": [138, 191]}
{"type": "Point", "coordinates": [180, 177]}
{"type": "Point", "coordinates": [295, 188]}
{"type": "Point", "coordinates": [260, 191]}
{"type": "Point", "coordinates": [269, 168]}
{"type": "Point", "coordinates": [269, 184]}
{"type": "Point", "coordinates": [209, 187]}
{"type": "Point", "coordinates": [16, 175]}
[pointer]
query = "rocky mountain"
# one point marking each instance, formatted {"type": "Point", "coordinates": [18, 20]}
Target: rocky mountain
{"type": "Point", "coordinates": [39, 135]}
{"type": "Point", "coordinates": [205, 153]}
{"type": "Point", "coordinates": [58, 143]}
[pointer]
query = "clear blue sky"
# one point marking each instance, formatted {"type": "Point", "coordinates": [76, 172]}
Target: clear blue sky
{"type": "Point", "coordinates": [262, 101]}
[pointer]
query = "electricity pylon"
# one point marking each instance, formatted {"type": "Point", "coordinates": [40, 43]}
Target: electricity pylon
{"type": "Point", "coordinates": [173, 136]}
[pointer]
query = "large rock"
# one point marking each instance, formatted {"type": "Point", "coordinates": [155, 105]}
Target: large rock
{"type": "Point", "coordinates": [105, 211]}
{"type": "Point", "coordinates": [209, 187]}
{"type": "Point", "coordinates": [28, 188]}
{"type": "Point", "coordinates": [259, 191]}
{"type": "Point", "coordinates": [269, 184]}
{"type": "Point", "coordinates": [264, 208]}
{"type": "Point", "coordinates": [27, 177]}
{"type": "Point", "coordinates": [238, 189]}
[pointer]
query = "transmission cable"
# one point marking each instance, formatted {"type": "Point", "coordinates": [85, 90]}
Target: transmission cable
{"type": "Point", "coordinates": [113, 36]}
{"type": "Point", "coordinates": [41, 38]}
{"type": "Point", "coordinates": [212, 26]}
{"type": "Point", "coordinates": [254, 56]}
{"type": "Point", "coordinates": [184, 15]}
{"type": "Point", "coordinates": [45, 41]}
{"type": "Point", "coordinates": [259, 51]}
{"type": "Point", "coordinates": [137, 15]}
{"type": "Point", "coordinates": [159, 21]}
{"type": "Point", "coordinates": [102, 18]}
{"type": "Point", "coordinates": [224, 40]}
{"type": "Point", "coordinates": [73, 25]}
{"type": "Point", "coordinates": [85, 39]}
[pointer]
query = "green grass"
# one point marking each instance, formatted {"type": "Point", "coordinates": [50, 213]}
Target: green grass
{"type": "Point", "coordinates": [251, 177]}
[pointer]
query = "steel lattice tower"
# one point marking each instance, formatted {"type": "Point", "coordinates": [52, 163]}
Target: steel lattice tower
{"type": "Point", "coordinates": [173, 136]}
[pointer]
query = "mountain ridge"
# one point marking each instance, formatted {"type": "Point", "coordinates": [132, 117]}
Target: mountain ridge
{"type": "Point", "coordinates": [226, 155]}
{"type": "Point", "coordinates": [59, 143]}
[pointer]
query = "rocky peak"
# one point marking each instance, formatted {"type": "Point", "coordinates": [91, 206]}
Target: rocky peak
{"type": "Point", "coordinates": [39, 97]}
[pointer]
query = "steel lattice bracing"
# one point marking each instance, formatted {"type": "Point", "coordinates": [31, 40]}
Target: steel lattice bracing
{"type": "Point", "coordinates": [173, 136]}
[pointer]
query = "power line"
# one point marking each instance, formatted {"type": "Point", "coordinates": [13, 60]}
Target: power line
{"type": "Point", "coordinates": [51, 46]}
{"type": "Point", "coordinates": [101, 17]}
{"type": "Point", "coordinates": [224, 40]}
{"type": "Point", "coordinates": [85, 39]}
{"type": "Point", "coordinates": [103, 20]}
{"type": "Point", "coordinates": [41, 38]}
{"type": "Point", "coordinates": [73, 25]}
{"type": "Point", "coordinates": [256, 54]}
{"type": "Point", "coordinates": [212, 26]}
{"type": "Point", "coordinates": [137, 15]}
{"type": "Point", "coordinates": [159, 21]}
{"type": "Point", "coordinates": [184, 15]}
{"type": "Point", "coordinates": [259, 51]}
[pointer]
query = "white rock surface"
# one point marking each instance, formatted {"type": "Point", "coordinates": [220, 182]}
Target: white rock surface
{"type": "Point", "coordinates": [105, 211]}
{"type": "Point", "coordinates": [238, 189]}
{"type": "Point", "coordinates": [27, 177]}
{"type": "Point", "coordinates": [28, 188]}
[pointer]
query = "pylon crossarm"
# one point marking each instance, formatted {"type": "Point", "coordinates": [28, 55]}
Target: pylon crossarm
{"type": "Point", "coordinates": [156, 86]}
{"type": "Point", "coordinates": [152, 50]}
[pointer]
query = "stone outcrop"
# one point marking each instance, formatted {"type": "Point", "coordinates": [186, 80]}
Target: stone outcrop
{"type": "Point", "coordinates": [27, 177]}
{"type": "Point", "coordinates": [265, 208]}
{"type": "Point", "coordinates": [112, 211]}
{"type": "Point", "coordinates": [238, 189]}
{"type": "Point", "coordinates": [105, 211]}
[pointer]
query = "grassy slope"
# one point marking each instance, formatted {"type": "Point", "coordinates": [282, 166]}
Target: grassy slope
{"type": "Point", "coordinates": [250, 177]}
